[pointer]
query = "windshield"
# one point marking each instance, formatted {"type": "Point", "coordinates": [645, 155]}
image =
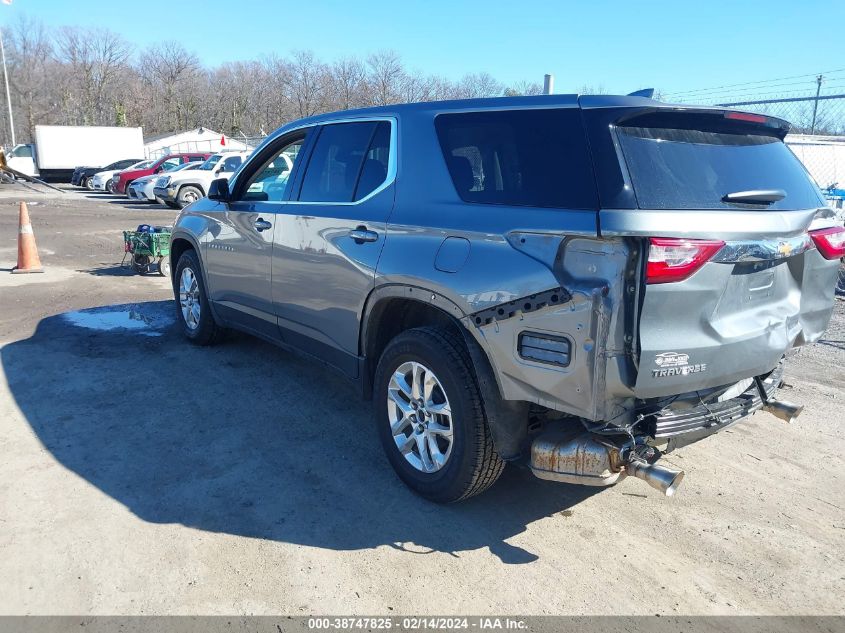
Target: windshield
{"type": "Point", "coordinates": [700, 166]}
{"type": "Point", "coordinates": [209, 164]}
{"type": "Point", "coordinates": [142, 165]}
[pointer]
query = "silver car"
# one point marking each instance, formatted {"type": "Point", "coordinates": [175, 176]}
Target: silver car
{"type": "Point", "coordinates": [576, 284]}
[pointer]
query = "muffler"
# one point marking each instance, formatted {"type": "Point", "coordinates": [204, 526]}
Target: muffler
{"type": "Point", "coordinates": [594, 460]}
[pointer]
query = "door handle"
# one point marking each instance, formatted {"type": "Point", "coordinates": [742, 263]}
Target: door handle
{"type": "Point", "coordinates": [261, 225]}
{"type": "Point", "coordinates": [363, 234]}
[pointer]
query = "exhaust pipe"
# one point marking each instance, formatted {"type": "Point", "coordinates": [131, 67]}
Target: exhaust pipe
{"type": "Point", "coordinates": [661, 478]}
{"type": "Point", "coordinates": [781, 409]}
{"type": "Point", "coordinates": [786, 411]}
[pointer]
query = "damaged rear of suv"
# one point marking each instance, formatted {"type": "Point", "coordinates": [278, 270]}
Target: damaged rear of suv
{"type": "Point", "coordinates": [578, 284]}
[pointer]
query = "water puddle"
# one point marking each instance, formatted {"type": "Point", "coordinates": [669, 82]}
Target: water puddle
{"type": "Point", "coordinates": [143, 320]}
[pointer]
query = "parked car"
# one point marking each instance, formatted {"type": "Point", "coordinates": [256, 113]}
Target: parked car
{"type": "Point", "coordinates": [577, 283]}
{"type": "Point", "coordinates": [83, 176]}
{"type": "Point", "coordinates": [103, 180]}
{"type": "Point", "coordinates": [142, 188]}
{"type": "Point", "coordinates": [180, 190]}
{"type": "Point", "coordinates": [164, 163]}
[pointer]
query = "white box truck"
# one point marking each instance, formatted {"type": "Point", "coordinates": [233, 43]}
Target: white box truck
{"type": "Point", "coordinates": [59, 149]}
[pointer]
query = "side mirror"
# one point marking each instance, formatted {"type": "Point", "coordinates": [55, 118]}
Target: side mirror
{"type": "Point", "coordinates": [219, 190]}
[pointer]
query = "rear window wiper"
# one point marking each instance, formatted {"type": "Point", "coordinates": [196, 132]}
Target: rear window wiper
{"type": "Point", "coordinates": [755, 196]}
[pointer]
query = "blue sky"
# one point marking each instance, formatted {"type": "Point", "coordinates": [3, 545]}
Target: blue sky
{"type": "Point", "coordinates": [621, 46]}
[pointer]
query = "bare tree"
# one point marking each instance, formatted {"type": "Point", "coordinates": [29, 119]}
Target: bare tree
{"type": "Point", "coordinates": [348, 82]}
{"type": "Point", "coordinates": [168, 69]}
{"type": "Point", "coordinates": [524, 88]}
{"type": "Point", "coordinates": [385, 77]}
{"type": "Point", "coordinates": [307, 81]}
{"type": "Point", "coordinates": [31, 63]}
{"type": "Point", "coordinates": [479, 85]}
{"type": "Point", "coordinates": [95, 58]}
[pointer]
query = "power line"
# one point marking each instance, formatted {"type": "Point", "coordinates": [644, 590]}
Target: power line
{"type": "Point", "coordinates": [732, 96]}
{"type": "Point", "coordinates": [717, 94]}
{"type": "Point", "coordinates": [753, 83]}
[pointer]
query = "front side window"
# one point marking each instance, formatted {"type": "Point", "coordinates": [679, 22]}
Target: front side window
{"type": "Point", "coordinates": [231, 163]}
{"type": "Point", "coordinates": [270, 182]}
{"type": "Point", "coordinates": [210, 163]}
{"type": "Point", "coordinates": [535, 158]}
{"type": "Point", "coordinates": [169, 164]}
{"type": "Point", "coordinates": [348, 162]}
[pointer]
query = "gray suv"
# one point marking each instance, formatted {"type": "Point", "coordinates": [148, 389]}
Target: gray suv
{"type": "Point", "coordinates": [578, 284]}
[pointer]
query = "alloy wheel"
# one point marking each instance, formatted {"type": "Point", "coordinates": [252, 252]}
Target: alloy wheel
{"type": "Point", "coordinates": [189, 298]}
{"type": "Point", "coordinates": [420, 417]}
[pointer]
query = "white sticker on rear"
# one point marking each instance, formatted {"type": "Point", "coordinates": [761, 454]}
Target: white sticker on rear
{"type": "Point", "coordinates": [675, 364]}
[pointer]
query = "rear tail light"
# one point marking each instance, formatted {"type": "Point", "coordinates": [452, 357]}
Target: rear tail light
{"type": "Point", "coordinates": [673, 259]}
{"type": "Point", "coordinates": [830, 242]}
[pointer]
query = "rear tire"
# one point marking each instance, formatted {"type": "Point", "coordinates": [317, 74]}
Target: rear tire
{"type": "Point", "coordinates": [471, 464]}
{"type": "Point", "coordinates": [192, 307]}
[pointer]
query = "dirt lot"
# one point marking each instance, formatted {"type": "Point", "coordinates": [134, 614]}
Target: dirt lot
{"type": "Point", "coordinates": [140, 475]}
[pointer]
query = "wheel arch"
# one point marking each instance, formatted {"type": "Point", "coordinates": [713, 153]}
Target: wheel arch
{"type": "Point", "coordinates": [391, 310]}
{"type": "Point", "coordinates": [179, 244]}
{"type": "Point", "coordinates": [195, 185]}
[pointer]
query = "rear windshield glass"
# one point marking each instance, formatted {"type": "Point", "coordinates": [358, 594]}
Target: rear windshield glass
{"type": "Point", "coordinates": [677, 168]}
{"type": "Point", "coordinates": [534, 158]}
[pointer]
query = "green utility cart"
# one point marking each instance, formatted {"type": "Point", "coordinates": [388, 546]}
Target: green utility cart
{"type": "Point", "coordinates": [149, 248]}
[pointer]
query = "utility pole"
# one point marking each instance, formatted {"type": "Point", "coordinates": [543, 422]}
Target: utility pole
{"type": "Point", "coordinates": [548, 84]}
{"type": "Point", "coordinates": [8, 97]}
{"type": "Point", "coordinates": [819, 80]}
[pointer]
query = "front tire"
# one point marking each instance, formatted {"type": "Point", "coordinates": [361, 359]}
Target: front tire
{"type": "Point", "coordinates": [110, 186]}
{"type": "Point", "coordinates": [430, 417]}
{"type": "Point", "coordinates": [188, 195]}
{"type": "Point", "coordinates": [192, 307]}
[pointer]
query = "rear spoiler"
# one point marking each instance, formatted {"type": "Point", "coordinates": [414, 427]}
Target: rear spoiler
{"type": "Point", "coordinates": [730, 120]}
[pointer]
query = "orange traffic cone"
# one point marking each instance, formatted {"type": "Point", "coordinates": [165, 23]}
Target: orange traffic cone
{"type": "Point", "coordinates": [28, 260]}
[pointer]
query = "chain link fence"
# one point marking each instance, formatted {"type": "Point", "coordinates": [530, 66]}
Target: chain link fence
{"type": "Point", "coordinates": [817, 136]}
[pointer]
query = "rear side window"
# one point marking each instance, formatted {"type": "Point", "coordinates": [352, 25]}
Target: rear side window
{"type": "Point", "coordinates": [348, 162]}
{"type": "Point", "coordinates": [374, 168]}
{"type": "Point", "coordinates": [695, 162]}
{"type": "Point", "coordinates": [536, 158]}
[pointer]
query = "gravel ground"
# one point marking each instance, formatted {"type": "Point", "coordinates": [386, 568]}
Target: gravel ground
{"type": "Point", "coordinates": [141, 475]}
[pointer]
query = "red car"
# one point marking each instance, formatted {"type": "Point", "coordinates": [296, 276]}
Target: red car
{"type": "Point", "coordinates": [165, 163]}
